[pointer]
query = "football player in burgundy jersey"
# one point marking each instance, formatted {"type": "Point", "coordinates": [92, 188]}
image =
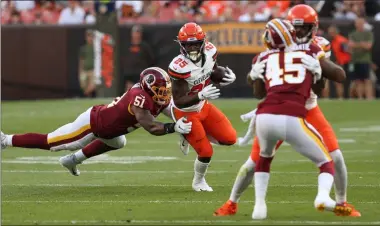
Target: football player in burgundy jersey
{"type": "Point", "coordinates": [287, 72]}
{"type": "Point", "coordinates": [305, 20]}
{"type": "Point", "coordinates": [102, 127]}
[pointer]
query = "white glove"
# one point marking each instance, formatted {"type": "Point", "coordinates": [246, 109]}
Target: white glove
{"type": "Point", "coordinates": [258, 70]}
{"type": "Point", "coordinates": [210, 92]}
{"type": "Point", "coordinates": [183, 127]}
{"type": "Point", "coordinates": [229, 78]}
{"type": "Point", "coordinates": [313, 65]}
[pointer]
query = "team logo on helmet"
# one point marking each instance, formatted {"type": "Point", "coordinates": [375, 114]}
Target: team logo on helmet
{"type": "Point", "coordinates": [156, 82]}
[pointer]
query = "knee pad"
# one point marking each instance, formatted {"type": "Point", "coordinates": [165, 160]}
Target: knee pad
{"type": "Point", "coordinates": [230, 140]}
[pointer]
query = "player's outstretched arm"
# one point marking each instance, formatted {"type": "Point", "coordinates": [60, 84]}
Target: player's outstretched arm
{"type": "Point", "coordinates": [147, 121]}
{"type": "Point", "coordinates": [167, 111]}
{"type": "Point", "coordinates": [332, 71]}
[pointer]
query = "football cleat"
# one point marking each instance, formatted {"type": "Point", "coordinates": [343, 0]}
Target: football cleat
{"type": "Point", "coordinates": [184, 145]}
{"type": "Point", "coordinates": [3, 141]}
{"type": "Point", "coordinates": [70, 162]}
{"type": "Point", "coordinates": [201, 186]}
{"type": "Point", "coordinates": [330, 205]}
{"type": "Point", "coordinates": [228, 209]}
{"type": "Point", "coordinates": [259, 211]}
{"type": "Point", "coordinates": [354, 212]}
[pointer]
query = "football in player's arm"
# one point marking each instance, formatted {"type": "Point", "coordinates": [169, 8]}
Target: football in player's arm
{"type": "Point", "coordinates": [196, 78]}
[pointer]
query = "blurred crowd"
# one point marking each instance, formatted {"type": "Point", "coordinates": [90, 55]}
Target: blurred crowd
{"type": "Point", "coordinates": [83, 12]}
{"type": "Point", "coordinates": [47, 12]}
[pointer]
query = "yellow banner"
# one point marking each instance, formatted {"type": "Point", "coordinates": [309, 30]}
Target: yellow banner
{"type": "Point", "coordinates": [236, 37]}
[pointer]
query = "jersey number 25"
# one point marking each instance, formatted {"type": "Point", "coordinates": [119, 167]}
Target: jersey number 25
{"type": "Point", "coordinates": [289, 71]}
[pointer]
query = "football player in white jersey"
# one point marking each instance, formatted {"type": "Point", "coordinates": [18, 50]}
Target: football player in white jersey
{"type": "Point", "coordinates": [305, 20]}
{"type": "Point", "coordinates": [191, 90]}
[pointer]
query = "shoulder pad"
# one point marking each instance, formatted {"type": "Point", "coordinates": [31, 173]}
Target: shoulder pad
{"type": "Point", "coordinates": [323, 43]}
{"type": "Point", "coordinates": [141, 99]}
{"type": "Point", "coordinates": [178, 68]}
{"type": "Point", "coordinates": [211, 50]}
{"type": "Point", "coordinates": [316, 51]}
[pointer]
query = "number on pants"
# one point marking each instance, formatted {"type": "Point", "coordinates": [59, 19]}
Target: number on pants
{"type": "Point", "coordinates": [292, 72]}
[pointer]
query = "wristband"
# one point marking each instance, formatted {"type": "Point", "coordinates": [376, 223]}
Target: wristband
{"type": "Point", "coordinates": [169, 127]}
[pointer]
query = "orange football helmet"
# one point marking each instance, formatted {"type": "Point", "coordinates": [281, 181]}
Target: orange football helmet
{"type": "Point", "coordinates": [279, 34]}
{"type": "Point", "coordinates": [192, 39]}
{"type": "Point", "coordinates": [305, 20]}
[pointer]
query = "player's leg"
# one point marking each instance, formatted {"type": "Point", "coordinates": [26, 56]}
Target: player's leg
{"type": "Point", "coordinates": [316, 118]}
{"type": "Point", "coordinates": [197, 138]}
{"type": "Point", "coordinates": [268, 130]}
{"type": "Point", "coordinates": [217, 125]}
{"type": "Point", "coordinates": [242, 181]}
{"type": "Point", "coordinates": [96, 147]}
{"type": "Point", "coordinates": [306, 140]}
{"type": "Point", "coordinates": [72, 136]}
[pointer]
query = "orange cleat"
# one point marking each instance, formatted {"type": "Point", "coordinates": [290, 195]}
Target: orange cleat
{"type": "Point", "coordinates": [228, 209]}
{"type": "Point", "coordinates": [354, 212]}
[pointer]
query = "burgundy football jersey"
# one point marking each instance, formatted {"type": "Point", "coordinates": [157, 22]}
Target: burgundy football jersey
{"type": "Point", "coordinates": [115, 119]}
{"type": "Point", "coordinates": [287, 81]}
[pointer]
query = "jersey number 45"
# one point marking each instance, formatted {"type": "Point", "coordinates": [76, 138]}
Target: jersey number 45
{"type": "Point", "coordinates": [289, 71]}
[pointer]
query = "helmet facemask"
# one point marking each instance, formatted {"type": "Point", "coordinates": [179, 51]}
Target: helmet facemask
{"type": "Point", "coordinates": [192, 49]}
{"type": "Point", "coordinates": [304, 32]}
{"type": "Point", "coordinates": [160, 94]}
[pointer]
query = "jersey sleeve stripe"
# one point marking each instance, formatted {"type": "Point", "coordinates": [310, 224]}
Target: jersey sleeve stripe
{"type": "Point", "coordinates": [178, 75]}
{"type": "Point", "coordinates": [215, 55]}
{"type": "Point", "coordinates": [320, 55]}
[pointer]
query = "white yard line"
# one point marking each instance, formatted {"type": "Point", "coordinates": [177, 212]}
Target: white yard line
{"type": "Point", "coordinates": [172, 185]}
{"type": "Point", "coordinates": [165, 171]}
{"type": "Point", "coordinates": [159, 201]}
{"type": "Point", "coordinates": [279, 222]}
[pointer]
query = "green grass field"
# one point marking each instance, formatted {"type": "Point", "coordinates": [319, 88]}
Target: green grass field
{"type": "Point", "coordinates": [149, 181]}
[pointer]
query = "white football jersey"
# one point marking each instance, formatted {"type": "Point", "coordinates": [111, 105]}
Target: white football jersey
{"type": "Point", "coordinates": [326, 47]}
{"type": "Point", "coordinates": [197, 77]}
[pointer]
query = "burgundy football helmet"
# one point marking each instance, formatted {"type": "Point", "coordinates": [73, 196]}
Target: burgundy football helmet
{"type": "Point", "coordinates": [279, 34]}
{"type": "Point", "coordinates": [156, 82]}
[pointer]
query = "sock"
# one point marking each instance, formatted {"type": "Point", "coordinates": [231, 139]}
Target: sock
{"type": "Point", "coordinates": [30, 140]}
{"type": "Point", "coordinates": [263, 164]}
{"type": "Point", "coordinates": [243, 179]}
{"type": "Point", "coordinates": [340, 177]}
{"type": "Point", "coordinates": [79, 156]}
{"type": "Point", "coordinates": [200, 169]}
{"type": "Point", "coordinates": [261, 186]}
{"type": "Point", "coordinates": [325, 182]}
{"type": "Point", "coordinates": [8, 140]}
